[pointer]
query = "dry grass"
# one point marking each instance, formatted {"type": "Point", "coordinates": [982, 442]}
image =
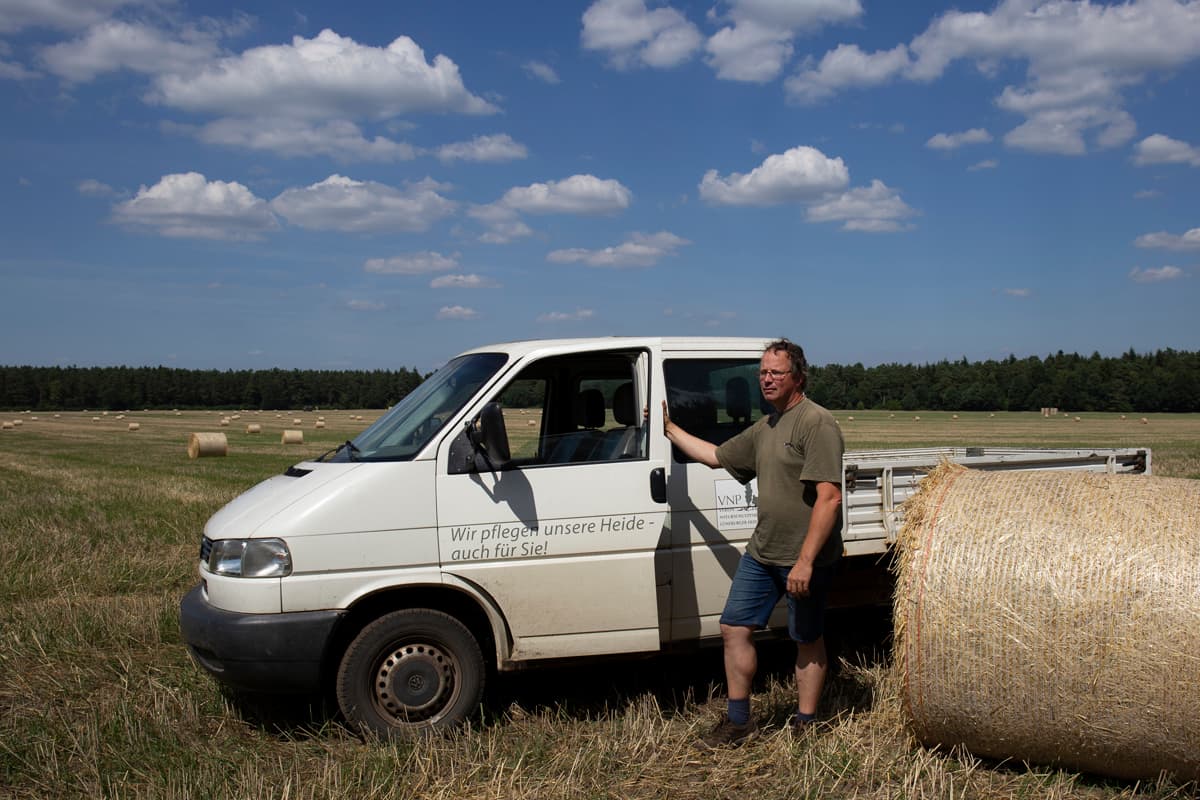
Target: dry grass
{"type": "Point", "coordinates": [98, 697]}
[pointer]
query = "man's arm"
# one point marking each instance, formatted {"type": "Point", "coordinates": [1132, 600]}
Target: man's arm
{"type": "Point", "coordinates": [824, 517]}
{"type": "Point", "coordinates": [694, 447]}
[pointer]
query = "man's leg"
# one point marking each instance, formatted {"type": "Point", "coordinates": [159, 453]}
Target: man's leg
{"type": "Point", "coordinates": [811, 666]}
{"type": "Point", "coordinates": [741, 660]}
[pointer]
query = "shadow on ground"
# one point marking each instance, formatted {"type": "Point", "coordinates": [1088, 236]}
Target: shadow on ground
{"type": "Point", "coordinates": [595, 687]}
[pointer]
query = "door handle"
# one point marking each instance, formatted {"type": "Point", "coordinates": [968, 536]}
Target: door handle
{"type": "Point", "coordinates": [658, 485]}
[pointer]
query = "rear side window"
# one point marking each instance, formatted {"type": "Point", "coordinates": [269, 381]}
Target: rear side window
{"type": "Point", "coordinates": [713, 398]}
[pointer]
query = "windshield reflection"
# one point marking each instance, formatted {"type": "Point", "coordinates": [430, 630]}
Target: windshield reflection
{"type": "Point", "coordinates": [401, 433]}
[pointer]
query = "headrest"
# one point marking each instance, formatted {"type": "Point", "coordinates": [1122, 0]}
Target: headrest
{"type": "Point", "coordinates": [624, 409]}
{"type": "Point", "coordinates": [589, 409]}
{"type": "Point", "coordinates": [737, 398]}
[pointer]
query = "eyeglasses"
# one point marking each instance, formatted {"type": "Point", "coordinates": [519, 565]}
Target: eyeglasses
{"type": "Point", "coordinates": [773, 373]}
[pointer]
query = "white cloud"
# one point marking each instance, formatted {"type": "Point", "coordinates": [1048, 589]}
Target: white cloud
{"type": "Point", "coordinates": [578, 194]}
{"type": "Point", "coordinates": [633, 35]}
{"type": "Point", "coordinates": [412, 263]}
{"type": "Point", "coordinates": [326, 77]}
{"type": "Point", "coordinates": [845, 67]}
{"type": "Point", "coordinates": [872, 209]}
{"type": "Point", "coordinates": [1079, 58]}
{"type": "Point", "coordinates": [953, 141]}
{"type": "Point", "coordinates": [1190, 240]}
{"type": "Point", "coordinates": [987, 163]}
{"type": "Point", "coordinates": [800, 174]}
{"type": "Point", "coordinates": [758, 43]}
{"type": "Point", "coordinates": [12, 71]}
{"type": "Point", "coordinates": [500, 147]}
{"type": "Point", "coordinates": [503, 224]}
{"type": "Point", "coordinates": [471, 281]}
{"type": "Point", "coordinates": [114, 45]}
{"type": "Point", "coordinates": [1022, 292]}
{"type": "Point", "coordinates": [61, 15]}
{"type": "Point", "coordinates": [1160, 149]}
{"type": "Point", "coordinates": [639, 250]}
{"type": "Point", "coordinates": [457, 312]}
{"type": "Point", "coordinates": [94, 188]}
{"type": "Point", "coordinates": [542, 71]}
{"type": "Point", "coordinates": [567, 316]}
{"type": "Point", "coordinates": [1146, 194]}
{"type": "Point", "coordinates": [189, 205]}
{"type": "Point", "coordinates": [339, 139]}
{"type": "Point", "coordinates": [749, 52]}
{"type": "Point", "coordinates": [364, 305]}
{"type": "Point", "coordinates": [342, 204]}
{"type": "Point", "coordinates": [1155, 274]}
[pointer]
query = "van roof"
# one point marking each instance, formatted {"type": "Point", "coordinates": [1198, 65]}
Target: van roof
{"type": "Point", "coordinates": [666, 343]}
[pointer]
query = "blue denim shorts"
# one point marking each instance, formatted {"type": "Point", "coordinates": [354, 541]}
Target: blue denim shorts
{"type": "Point", "coordinates": [757, 588]}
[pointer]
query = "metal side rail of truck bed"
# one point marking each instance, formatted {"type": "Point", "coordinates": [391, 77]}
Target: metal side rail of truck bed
{"type": "Point", "coordinates": [877, 482]}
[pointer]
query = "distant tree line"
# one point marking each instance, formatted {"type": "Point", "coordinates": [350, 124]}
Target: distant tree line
{"type": "Point", "coordinates": [1166, 380]}
{"type": "Point", "coordinates": [114, 388]}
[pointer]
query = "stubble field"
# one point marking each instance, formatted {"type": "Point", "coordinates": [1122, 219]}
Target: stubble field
{"type": "Point", "coordinates": [99, 530]}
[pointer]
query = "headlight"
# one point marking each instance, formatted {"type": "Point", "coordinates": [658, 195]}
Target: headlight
{"type": "Point", "coordinates": [250, 558]}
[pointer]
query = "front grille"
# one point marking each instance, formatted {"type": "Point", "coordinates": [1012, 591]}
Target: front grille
{"type": "Point", "coordinates": [205, 548]}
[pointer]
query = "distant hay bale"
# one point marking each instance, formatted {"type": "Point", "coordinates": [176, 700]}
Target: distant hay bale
{"type": "Point", "coordinates": [1053, 617]}
{"type": "Point", "coordinates": [95, 419]}
{"type": "Point", "coordinates": [133, 426]}
{"type": "Point", "coordinates": [254, 427]}
{"type": "Point", "coordinates": [18, 423]}
{"type": "Point", "coordinates": [203, 445]}
{"type": "Point", "coordinates": [319, 423]}
{"type": "Point", "coordinates": [6, 425]}
{"type": "Point", "coordinates": [297, 421]}
{"type": "Point", "coordinates": [916, 419]}
{"type": "Point", "coordinates": [954, 416]}
{"type": "Point", "coordinates": [292, 437]}
{"type": "Point", "coordinates": [224, 422]}
{"type": "Point", "coordinates": [1145, 421]}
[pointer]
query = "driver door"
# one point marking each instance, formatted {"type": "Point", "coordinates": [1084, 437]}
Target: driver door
{"type": "Point", "coordinates": [563, 537]}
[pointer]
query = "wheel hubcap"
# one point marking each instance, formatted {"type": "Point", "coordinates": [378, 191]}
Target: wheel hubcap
{"type": "Point", "coordinates": [415, 682]}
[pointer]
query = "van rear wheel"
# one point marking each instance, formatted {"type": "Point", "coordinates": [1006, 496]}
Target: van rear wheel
{"type": "Point", "coordinates": [410, 672]}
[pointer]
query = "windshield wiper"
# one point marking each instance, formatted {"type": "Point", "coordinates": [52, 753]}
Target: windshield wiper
{"type": "Point", "coordinates": [348, 445]}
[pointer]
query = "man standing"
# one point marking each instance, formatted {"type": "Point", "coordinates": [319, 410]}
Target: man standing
{"type": "Point", "coordinates": [796, 454]}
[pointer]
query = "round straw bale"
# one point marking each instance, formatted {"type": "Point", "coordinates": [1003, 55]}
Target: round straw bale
{"type": "Point", "coordinates": [1054, 617]}
{"type": "Point", "coordinates": [6, 425]}
{"type": "Point", "coordinates": [292, 437]}
{"type": "Point", "coordinates": [133, 426]}
{"type": "Point", "coordinates": [18, 423]}
{"type": "Point", "coordinates": [201, 445]}
{"type": "Point", "coordinates": [224, 422]}
{"type": "Point", "coordinates": [254, 427]}
{"type": "Point", "coordinates": [297, 421]}
{"type": "Point", "coordinates": [319, 423]}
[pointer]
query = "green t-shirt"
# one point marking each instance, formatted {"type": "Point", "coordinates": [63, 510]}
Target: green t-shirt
{"type": "Point", "coordinates": [789, 453]}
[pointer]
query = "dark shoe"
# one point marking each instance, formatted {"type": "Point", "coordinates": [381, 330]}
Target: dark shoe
{"type": "Point", "coordinates": [727, 733]}
{"type": "Point", "coordinates": [800, 727]}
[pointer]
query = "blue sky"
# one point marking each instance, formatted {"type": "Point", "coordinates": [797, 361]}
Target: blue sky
{"type": "Point", "coordinates": [376, 185]}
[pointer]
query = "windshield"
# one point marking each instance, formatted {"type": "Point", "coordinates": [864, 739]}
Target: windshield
{"type": "Point", "coordinates": [401, 433]}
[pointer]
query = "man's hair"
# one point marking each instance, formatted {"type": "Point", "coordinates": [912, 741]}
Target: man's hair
{"type": "Point", "coordinates": [795, 354]}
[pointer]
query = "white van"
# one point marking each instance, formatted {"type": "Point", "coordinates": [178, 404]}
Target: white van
{"type": "Point", "coordinates": [519, 506]}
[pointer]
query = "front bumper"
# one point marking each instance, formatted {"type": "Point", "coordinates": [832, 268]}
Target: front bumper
{"type": "Point", "coordinates": [257, 652]}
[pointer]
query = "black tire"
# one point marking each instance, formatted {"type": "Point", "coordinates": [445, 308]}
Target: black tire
{"type": "Point", "coordinates": [410, 672]}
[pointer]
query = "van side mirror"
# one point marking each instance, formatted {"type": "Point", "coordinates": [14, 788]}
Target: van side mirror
{"type": "Point", "coordinates": [489, 438]}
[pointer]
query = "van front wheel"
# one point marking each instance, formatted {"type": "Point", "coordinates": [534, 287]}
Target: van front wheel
{"type": "Point", "coordinates": [408, 672]}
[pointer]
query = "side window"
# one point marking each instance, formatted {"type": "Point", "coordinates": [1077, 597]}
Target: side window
{"type": "Point", "coordinates": [713, 398]}
{"type": "Point", "coordinates": [524, 401]}
{"type": "Point", "coordinates": [575, 409]}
